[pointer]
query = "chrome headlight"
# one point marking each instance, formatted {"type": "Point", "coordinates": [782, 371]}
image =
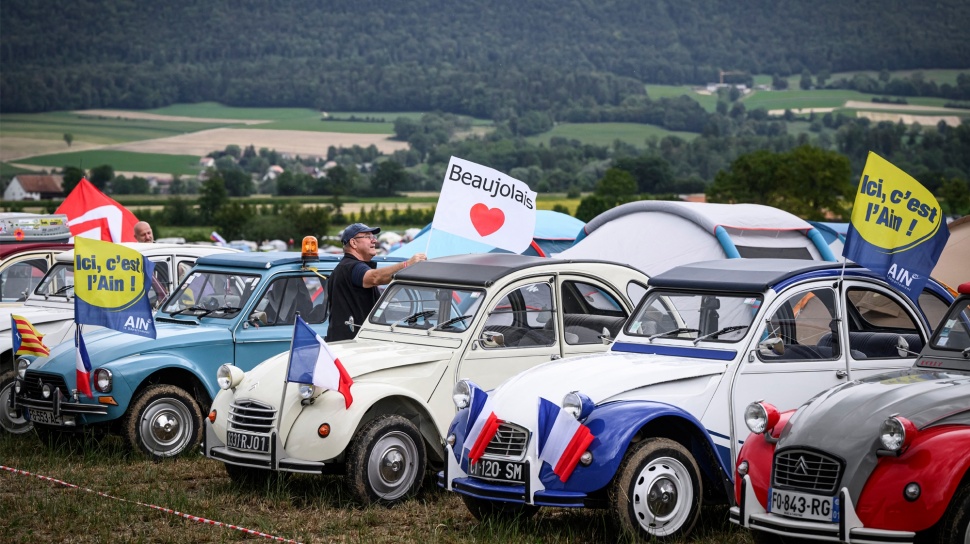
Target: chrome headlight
{"type": "Point", "coordinates": [46, 391]}
{"type": "Point", "coordinates": [760, 417]}
{"type": "Point", "coordinates": [22, 365]}
{"type": "Point", "coordinates": [461, 394]}
{"type": "Point", "coordinates": [103, 380]}
{"type": "Point", "coordinates": [306, 390]}
{"type": "Point", "coordinates": [896, 433]}
{"type": "Point", "coordinates": [229, 376]}
{"type": "Point", "coordinates": [577, 405]}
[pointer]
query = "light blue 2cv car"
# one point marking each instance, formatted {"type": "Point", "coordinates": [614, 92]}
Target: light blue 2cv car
{"type": "Point", "coordinates": [236, 308]}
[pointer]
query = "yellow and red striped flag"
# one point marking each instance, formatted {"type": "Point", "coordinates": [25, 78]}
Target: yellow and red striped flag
{"type": "Point", "coordinates": [26, 339]}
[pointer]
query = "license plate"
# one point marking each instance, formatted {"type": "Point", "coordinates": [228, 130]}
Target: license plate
{"type": "Point", "coordinates": [246, 441]}
{"type": "Point", "coordinates": [505, 471]}
{"type": "Point", "coordinates": [803, 506]}
{"type": "Point", "coordinates": [45, 417]}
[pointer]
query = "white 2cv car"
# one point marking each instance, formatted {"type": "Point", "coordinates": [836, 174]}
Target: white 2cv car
{"type": "Point", "coordinates": [665, 405]}
{"type": "Point", "coordinates": [481, 317]}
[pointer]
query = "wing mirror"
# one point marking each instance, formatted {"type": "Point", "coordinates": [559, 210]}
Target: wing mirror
{"type": "Point", "coordinates": [491, 339]}
{"type": "Point", "coordinates": [902, 347]}
{"type": "Point", "coordinates": [770, 347]}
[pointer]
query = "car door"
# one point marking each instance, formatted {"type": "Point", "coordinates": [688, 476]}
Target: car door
{"type": "Point", "coordinates": [590, 316]}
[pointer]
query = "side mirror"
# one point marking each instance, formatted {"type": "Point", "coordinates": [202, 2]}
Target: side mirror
{"type": "Point", "coordinates": [605, 337]}
{"type": "Point", "coordinates": [770, 347]}
{"type": "Point", "coordinates": [902, 347]}
{"type": "Point", "coordinates": [491, 339]}
{"type": "Point", "coordinates": [257, 318]}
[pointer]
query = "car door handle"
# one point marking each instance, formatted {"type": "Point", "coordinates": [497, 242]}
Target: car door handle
{"type": "Point", "coordinates": [841, 374]}
{"type": "Point", "coordinates": [555, 356]}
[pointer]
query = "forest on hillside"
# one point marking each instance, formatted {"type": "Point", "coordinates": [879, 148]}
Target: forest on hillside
{"type": "Point", "coordinates": [488, 59]}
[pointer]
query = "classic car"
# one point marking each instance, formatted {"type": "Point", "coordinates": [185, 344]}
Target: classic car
{"type": "Point", "coordinates": [883, 459]}
{"type": "Point", "coordinates": [50, 309]}
{"type": "Point", "coordinates": [236, 308]}
{"type": "Point", "coordinates": [482, 316]}
{"type": "Point", "coordinates": [651, 427]}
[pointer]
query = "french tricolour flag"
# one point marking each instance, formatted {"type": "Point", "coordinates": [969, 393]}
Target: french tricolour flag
{"type": "Point", "coordinates": [482, 425]}
{"type": "Point", "coordinates": [311, 361]}
{"type": "Point", "coordinates": [562, 439]}
{"type": "Point", "coordinates": [83, 364]}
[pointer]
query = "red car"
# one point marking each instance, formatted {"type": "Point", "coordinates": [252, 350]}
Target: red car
{"type": "Point", "coordinates": [884, 459]}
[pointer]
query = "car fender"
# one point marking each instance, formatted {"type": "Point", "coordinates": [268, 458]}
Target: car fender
{"type": "Point", "coordinates": [370, 399]}
{"type": "Point", "coordinates": [614, 426]}
{"type": "Point", "coordinates": [937, 460]}
{"type": "Point", "coordinates": [131, 373]}
{"type": "Point", "coordinates": [759, 452]}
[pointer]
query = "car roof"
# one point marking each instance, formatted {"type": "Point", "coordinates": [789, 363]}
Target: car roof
{"type": "Point", "coordinates": [267, 259]}
{"type": "Point", "coordinates": [7, 250]}
{"type": "Point", "coordinates": [477, 269]}
{"type": "Point", "coordinates": [749, 275]}
{"type": "Point", "coordinates": [150, 249]}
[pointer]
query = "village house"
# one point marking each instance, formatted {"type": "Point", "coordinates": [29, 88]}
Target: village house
{"type": "Point", "coordinates": [34, 187]}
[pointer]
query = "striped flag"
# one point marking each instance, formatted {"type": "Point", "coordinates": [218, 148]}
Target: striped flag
{"type": "Point", "coordinates": [562, 439]}
{"type": "Point", "coordinates": [82, 364]}
{"type": "Point", "coordinates": [482, 425]}
{"type": "Point", "coordinates": [26, 339]}
{"type": "Point", "coordinates": [311, 361]}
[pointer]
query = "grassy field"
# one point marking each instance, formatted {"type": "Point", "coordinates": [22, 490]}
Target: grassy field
{"type": "Point", "coordinates": [122, 161]}
{"type": "Point", "coordinates": [708, 102]}
{"type": "Point", "coordinates": [304, 508]}
{"type": "Point", "coordinates": [606, 133]}
{"type": "Point", "coordinates": [94, 129]}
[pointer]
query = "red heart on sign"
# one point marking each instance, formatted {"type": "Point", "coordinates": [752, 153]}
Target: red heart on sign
{"type": "Point", "coordinates": [486, 220]}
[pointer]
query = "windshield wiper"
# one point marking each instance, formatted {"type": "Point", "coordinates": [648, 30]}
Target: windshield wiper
{"type": "Point", "coordinates": [59, 291]}
{"type": "Point", "coordinates": [451, 322]}
{"type": "Point", "coordinates": [204, 311]}
{"type": "Point", "coordinates": [668, 333]}
{"type": "Point", "coordinates": [732, 328]}
{"type": "Point", "coordinates": [413, 318]}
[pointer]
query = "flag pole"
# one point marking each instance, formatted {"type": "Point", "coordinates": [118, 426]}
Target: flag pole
{"type": "Point", "coordinates": [428, 246]}
{"type": "Point", "coordinates": [286, 376]}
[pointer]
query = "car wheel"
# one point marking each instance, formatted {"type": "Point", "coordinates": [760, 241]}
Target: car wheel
{"type": "Point", "coordinates": [163, 421]}
{"type": "Point", "coordinates": [387, 461]}
{"type": "Point", "coordinates": [254, 477]}
{"type": "Point", "coordinates": [10, 421]}
{"type": "Point", "coordinates": [954, 527]}
{"type": "Point", "coordinates": [485, 510]}
{"type": "Point", "coordinates": [657, 492]}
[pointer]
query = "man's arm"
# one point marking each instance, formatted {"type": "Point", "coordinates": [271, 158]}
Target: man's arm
{"type": "Point", "coordinates": [382, 276]}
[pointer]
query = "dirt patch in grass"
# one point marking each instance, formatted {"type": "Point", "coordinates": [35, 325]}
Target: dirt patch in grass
{"type": "Point", "coordinates": [118, 114]}
{"type": "Point", "coordinates": [12, 148]}
{"type": "Point", "coordinates": [855, 104]}
{"type": "Point", "coordinates": [924, 120]}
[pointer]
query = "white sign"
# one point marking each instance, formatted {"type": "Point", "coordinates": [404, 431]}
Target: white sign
{"type": "Point", "coordinates": [485, 205]}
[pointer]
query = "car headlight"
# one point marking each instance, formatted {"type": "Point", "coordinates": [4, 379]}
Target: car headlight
{"type": "Point", "coordinates": [577, 405]}
{"type": "Point", "coordinates": [306, 390]}
{"type": "Point", "coordinates": [22, 365]}
{"type": "Point", "coordinates": [46, 391]}
{"type": "Point", "coordinates": [229, 376]}
{"type": "Point", "coordinates": [17, 386]}
{"type": "Point", "coordinates": [760, 417]}
{"type": "Point", "coordinates": [896, 433]}
{"type": "Point", "coordinates": [102, 380]}
{"type": "Point", "coordinates": [461, 394]}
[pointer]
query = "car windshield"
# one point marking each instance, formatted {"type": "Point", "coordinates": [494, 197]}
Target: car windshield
{"type": "Point", "coordinates": [59, 281]}
{"type": "Point", "coordinates": [210, 294]}
{"type": "Point", "coordinates": [954, 334]}
{"type": "Point", "coordinates": [710, 317]}
{"type": "Point", "coordinates": [445, 309]}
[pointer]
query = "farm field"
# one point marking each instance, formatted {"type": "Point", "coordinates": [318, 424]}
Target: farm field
{"type": "Point", "coordinates": [606, 133]}
{"type": "Point", "coordinates": [122, 161]}
{"type": "Point", "coordinates": [312, 509]}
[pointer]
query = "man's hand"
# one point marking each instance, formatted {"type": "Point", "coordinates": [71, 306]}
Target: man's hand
{"type": "Point", "coordinates": [417, 257]}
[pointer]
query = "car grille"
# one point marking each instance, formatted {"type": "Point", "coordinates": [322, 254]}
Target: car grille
{"type": "Point", "coordinates": [252, 416]}
{"type": "Point", "coordinates": [35, 380]}
{"type": "Point", "coordinates": [806, 470]}
{"type": "Point", "coordinates": [508, 443]}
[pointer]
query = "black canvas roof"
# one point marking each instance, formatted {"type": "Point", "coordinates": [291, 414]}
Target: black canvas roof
{"type": "Point", "coordinates": [476, 269]}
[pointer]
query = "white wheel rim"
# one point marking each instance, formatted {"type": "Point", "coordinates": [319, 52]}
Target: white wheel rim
{"type": "Point", "coordinates": [662, 496]}
{"type": "Point", "coordinates": [391, 466]}
{"type": "Point", "coordinates": [164, 427]}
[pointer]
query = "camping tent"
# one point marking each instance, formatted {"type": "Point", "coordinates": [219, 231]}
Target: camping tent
{"type": "Point", "coordinates": [655, 235]}
{"type": "Point", "coordinates": [554, 233]}
{"type": "Point", "coordinates": [834, 235]}
{"type": "Point", "coordinates": [953, 268]}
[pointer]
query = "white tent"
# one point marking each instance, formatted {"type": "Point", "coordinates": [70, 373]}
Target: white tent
{"type": "Point", "coordinates": [655, 235]}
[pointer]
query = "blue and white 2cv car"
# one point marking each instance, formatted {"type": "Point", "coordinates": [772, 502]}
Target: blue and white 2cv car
{"type": "Point", "coordinates": [662, 411]}
{"type": "Point", "coordinates": [880, 460]}
{"type": "Point", "coordinates": [482, 317]}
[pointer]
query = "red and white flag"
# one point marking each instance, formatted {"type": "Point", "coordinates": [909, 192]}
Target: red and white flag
{"type": "Point", "coordinates": [83, 364]}
{"type": "Point", "coordinates": [562, 439]}
{"type": "Point", "coordinates": [485, 205]}
{"type": "Point", "coordinates": [311, 361]}
{"type": "Point", "coordinates": [482, 425]}
{"type": "Point", "coordinates": [93, 214]}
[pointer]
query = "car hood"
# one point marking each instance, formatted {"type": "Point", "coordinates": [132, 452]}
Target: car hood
{"type": "Point", "coordinates": [363, 357]}
{"type": "Point", "coordinates": [845, 420]}
{"type": "Point", "coordinates": [107, 345]}
{"type": "Point", "coordinates": [36, 315]}
{"type": "Point", "coordinates": [601, 377]}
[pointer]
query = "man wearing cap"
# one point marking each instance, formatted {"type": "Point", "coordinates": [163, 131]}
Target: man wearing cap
{"type": "Point", "coordinates": [352, 287]}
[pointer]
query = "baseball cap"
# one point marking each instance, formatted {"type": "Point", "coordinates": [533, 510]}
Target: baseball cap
{"type": "Point", "coordinates": [356, 229]}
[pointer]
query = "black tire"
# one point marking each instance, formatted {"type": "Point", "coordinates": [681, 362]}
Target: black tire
{"type": "Point", "coordinates": [485, 510]}
{"type": "Point", "coordinates": [386, 461]}
{"type": "Point", "coordinates": [657, 491]}
{"type": "Point", "coordinates": [954, 526]}
{"type": "Point", "coordinates": [163, 421]}
{"type": "Point", "coordinates": [254, 477]}
{"type": "Point", "coordinates": [10, 421]}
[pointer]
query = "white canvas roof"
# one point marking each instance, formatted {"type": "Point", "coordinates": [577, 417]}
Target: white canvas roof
{"type": "Point", "coordinates": [656, 236]}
